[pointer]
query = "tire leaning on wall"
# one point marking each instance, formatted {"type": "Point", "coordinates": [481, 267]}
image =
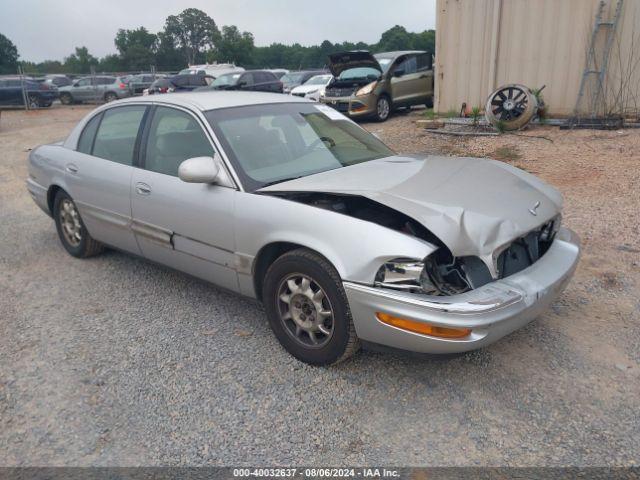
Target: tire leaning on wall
{"type": "Point", "coordinates": [511, 107]}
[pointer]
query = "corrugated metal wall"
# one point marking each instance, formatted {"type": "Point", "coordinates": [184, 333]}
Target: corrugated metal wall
{"type": "Point", "coordinates": [481, 44]}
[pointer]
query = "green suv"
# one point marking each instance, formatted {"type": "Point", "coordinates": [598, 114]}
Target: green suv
{"type": "Point", "coordinates": [367, 85]}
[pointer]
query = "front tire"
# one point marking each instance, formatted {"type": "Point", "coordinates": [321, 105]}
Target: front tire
{"type": "Point", "coordinates": [66, 99]}
{"type": "Point", "coordinates": [383, 108]}
{"type": "Point", "coordinates": [71, 229]}
{"type": "Point", "coordinates": [308, 309]}
{"type": "Point", "coordinates": [34, 101]}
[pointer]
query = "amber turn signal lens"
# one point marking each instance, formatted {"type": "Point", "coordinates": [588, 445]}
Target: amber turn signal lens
{"type": "Point", "coordinates": [423, 328]}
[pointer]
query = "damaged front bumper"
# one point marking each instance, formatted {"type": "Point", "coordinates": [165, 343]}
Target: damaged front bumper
{"type": "Point", "coordinates": [352, 106]}
{"type": "Point", "coordinates": [491, 311]}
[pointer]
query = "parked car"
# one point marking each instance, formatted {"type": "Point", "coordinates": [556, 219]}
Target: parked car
{"type": "Point", "coordinates": [313, 88]}
{"type": "Point", "coordinates": [179, 83]}
{"type": "Point", "coordinates": [293, 79]}
{"type": "Point", "coordinates": [253, 80]}
{"type": "Point", "coordinates": [138, 83]}
{"type": "Point", "coordinates": [94, 89]}
{"type": "Point", "coordinates": [57, 81]}
{"type": "Point", "coordinates": [278, 72]}
{"type": "Point", "coordinates": [366, 85]}
{"type": "Point", "coordinates": [289, 202]}
{"type": "Point", "coordinates": [213, 70]}
{"type": "Point", "coordinates": [38, 94]}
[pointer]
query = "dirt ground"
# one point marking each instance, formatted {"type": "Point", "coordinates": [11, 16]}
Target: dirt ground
{"type": "Point", "coordinates": [565, 390]}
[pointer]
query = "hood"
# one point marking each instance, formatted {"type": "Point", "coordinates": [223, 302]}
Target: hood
{"type": "Point", "coordinates": [473, 205]}
{"type": "Point", "coordinates": [339, 62]}
{"type": "Point", "coordinates": [306, 88]}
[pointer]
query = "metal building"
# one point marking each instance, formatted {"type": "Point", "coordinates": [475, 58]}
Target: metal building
{"type": "Point", "coordinates": [482, 44]}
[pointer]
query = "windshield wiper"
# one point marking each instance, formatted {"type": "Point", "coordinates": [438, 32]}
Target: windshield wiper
{"type": "Point", "coordinates": [281, 181]}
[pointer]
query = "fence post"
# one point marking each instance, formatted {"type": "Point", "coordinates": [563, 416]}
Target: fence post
{"type": "Point", "coordinates": [24, 92]}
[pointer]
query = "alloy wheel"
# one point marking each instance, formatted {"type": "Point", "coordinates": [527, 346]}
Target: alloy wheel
{"type": "Point", "coordinates": [70, 222]}
{"type": "Point", "coordinates": [383, 108]}
{"type": "Point", "coordinates": [305, 310]}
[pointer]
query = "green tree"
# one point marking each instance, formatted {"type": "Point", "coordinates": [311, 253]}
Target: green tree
{"type": "Point", "coordinates": [193, 32]}
{"type": "Point", "coordinates": [8, 56]}
{"type": "Point", "coordinates": [234, 46]}
{"type": "Point", "coordinates": [137, 48]}
{"type": "Point", "coordinates": [111, 63]}
{"type": "Point", "coordinates": [168, 56]}
{"type": "Point", "coordinates": [80, 62]}
{"type": "Point", "coordinates": [396, 38]}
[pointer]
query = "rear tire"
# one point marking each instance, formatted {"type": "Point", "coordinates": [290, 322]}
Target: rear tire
{"type": "Point", "coordinates": [311, 320]}
{"type": "Point", "coordinates": [110, 97]}
{"type": "Point", "coordinates": [66, 98]}
{"type": "Point", "coordinates": [71, 229]}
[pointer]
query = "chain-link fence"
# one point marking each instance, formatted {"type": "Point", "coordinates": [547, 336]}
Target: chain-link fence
{"type": "Point", "coordinates": [34, 90]}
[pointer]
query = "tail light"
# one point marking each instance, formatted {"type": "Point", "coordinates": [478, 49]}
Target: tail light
{"type": "Point", "coordinates": [163, 89]}
{"type": "Point", "coordinates": [122, 86]}
{"type": "Point", "coordinates": [44, 86]}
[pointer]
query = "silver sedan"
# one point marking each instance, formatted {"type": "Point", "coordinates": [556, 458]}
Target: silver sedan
{"type": "Point", "coordinates": [289, 202]}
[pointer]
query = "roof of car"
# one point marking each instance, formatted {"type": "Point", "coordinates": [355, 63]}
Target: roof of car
{"type": "Point", "coordinates": [212, 100]}
{"type": "Point", "coordinates": [397, 53]}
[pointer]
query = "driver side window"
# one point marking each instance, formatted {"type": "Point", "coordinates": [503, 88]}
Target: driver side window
{"type": "Point", "coordinates": [174, 136]}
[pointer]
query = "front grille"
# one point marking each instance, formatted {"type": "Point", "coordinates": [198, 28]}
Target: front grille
{"type": "Point", "coordinates": [526, 250]}
{"type": "Point", "coordinates": [298, 94]}
{"type": "Point", "coordinates": [339, 92]}
{"type": "Point", "coordinates": [340, 106]}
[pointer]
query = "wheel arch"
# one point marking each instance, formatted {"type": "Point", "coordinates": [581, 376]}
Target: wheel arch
{"type": "Point", "coordinates": [269, 254]}
{"type": "Point", "coordinates": [51, 196]}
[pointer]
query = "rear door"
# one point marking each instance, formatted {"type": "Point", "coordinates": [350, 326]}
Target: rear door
{"type": "Point", "coordinates": [11, 92]}
{"type": "Point", "coordinates": [247, 81]}
{"type": "Point", "coordinates": [188, 226]}
{"type": "Point", "coordinates": [84, 90]}
{"type": "Point", "coordinates": [99, 174]}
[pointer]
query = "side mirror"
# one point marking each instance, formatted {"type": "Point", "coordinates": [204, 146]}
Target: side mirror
{"type": "Point", "coordinates": [198, 170]}
{"type": "Point", "coordinates": [75, 84]}
{"type": "Point", "coordinates": [398, 73]}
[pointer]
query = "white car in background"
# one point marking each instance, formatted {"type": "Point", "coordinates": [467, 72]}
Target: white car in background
{"type": "Point", "coordinates": [212, 69]}
{"type": "Point", "coordinates": [313, 88]}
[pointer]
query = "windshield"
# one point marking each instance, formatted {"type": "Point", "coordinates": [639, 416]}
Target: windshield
{"type": "Point", "coordinates": [228, 79]}
{"type": "Point", "coordinates": [272, 143]}
{"type": "Point", "coordinates": [385, 63]}
{"type": "Point", "coordinates": [292, 78]}
{"type": "Point", "coordinates": [318, 80]}
{"type": "Point", "coordinates": [360, 73]}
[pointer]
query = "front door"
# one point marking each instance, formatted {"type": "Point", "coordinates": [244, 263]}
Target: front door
{"type": "Point", "coordinates": [411, 86]}
{"type": "Point", "coordinates": [187, 226]}
{"type": "Point", "coordinates": [99, 171]}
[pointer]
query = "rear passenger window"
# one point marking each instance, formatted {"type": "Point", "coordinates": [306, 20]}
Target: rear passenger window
{"type": "Point", "coordinates": [86, 137]}
{"type": "Point", "coordinates": [116, 137]}
{"type": "Point", "coordinates": [174, 136]}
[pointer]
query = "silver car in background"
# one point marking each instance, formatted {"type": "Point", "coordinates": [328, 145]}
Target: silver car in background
{"type": "Point", "coordinates": [98, 88]}
{"type": "Point", "coordinates": [289, 202]}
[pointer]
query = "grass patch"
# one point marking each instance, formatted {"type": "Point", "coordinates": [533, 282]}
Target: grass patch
{"type": "Point", "coordinates": [429, 114]}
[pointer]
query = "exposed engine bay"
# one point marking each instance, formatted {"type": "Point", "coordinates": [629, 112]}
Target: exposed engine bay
{"type": "Point", "coordinates": [440, 273]}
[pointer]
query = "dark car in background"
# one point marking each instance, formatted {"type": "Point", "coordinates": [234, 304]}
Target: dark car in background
{"type": "Point", "coordinates": [57, 80]}
{"type": "Point", "coordinates": [251, 80]}
{"type": "Point", "coordinates": [180, 83]}
{"type": "Point", "coordinates": [292, 79]}
{"type": "Point", "coordinates": [94, 89]}
{"type": "Point", "coordinates": [138, 83]}
{"type": "Point", "coordinates": [37, 94]}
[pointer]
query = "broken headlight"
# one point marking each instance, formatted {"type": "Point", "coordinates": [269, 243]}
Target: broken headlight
{"type": "Point", "coordinates": [407, 275]}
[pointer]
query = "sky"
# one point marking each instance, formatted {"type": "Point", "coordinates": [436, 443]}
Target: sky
{"type": "Point", "coordinates": [51, 29]}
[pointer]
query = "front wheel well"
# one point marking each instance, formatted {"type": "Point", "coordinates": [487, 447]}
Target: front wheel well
{"type": "Point", "coordinates": [266, 256]}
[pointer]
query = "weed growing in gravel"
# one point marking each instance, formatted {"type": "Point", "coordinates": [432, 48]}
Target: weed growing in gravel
{"type": "Point", "coordinates": [507, 153]}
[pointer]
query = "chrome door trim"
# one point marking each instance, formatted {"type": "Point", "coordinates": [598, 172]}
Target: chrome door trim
{"type": "Point", "coordinates": [108, 216]}
{"type": "Point", "coordinates": [156, 234]}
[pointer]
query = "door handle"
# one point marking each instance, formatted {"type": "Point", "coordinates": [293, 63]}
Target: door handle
{"type": "Point", "coordinates": [71, 168]}
{"type": "Point", "coordinates": [143, 188]}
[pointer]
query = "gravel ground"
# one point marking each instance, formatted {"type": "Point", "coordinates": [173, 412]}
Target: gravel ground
{"type": "Point", "coordinates": [116, 361]}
